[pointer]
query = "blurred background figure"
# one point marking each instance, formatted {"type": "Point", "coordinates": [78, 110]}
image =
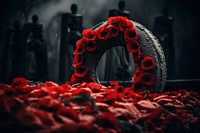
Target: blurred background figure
{"type": "Point", "coordinates": [163, 30]}
{"type": "Point", "coordinates": [71, 32]}
{"type": "Point", "coordinates": [12, 62]}
{"type": "Point", "coordinates": [36, 58]}
{"type": "Point", "coordinates": [120, 11]}
{"type": "Point", "coordinates": [75, 26]}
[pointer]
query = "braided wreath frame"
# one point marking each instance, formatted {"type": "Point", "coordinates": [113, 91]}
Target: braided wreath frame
{"type": "Point", "coordinates": [97, 40]}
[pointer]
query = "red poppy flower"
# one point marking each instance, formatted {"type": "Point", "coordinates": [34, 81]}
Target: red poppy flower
{"type": "Point", "coordinates": [74, 79]}
{"type": "Point", "coordinates": [19, 85]}
{"type": "Point", "coordinates": [138, 86]}
{"type": "Point", "coordinates": [133, 47]}
{"type": "Point", "coordinates": [80, 49]}
{"type": "Point", "coordinates": [87, 79]}
{"type": "Point", "coordinates": [147, 78]}
{"type": "Point", "coordinates": [115, 20]}
{"type": "Point", "coordinates": [19, 82]}
{"type": "Point", "coordinates": [136, 78]}
{"type": "Point", "coordinates": [113, 31]}
{"type": "Point", "coordinates": [123, 25]}
{"type": "Point", "coordinates": [130, 35]}
{"type": "Point", "coordinates": [114, 83]}
{"type": "Point", "coordinates": [81, 71]}
{"type": "Point", "coordinates": [90, 35]}
{"type": "Point", "coordinates": [78, 59]}
{"type": "Point", "coordinates": [79, 42]}
{"type": "Point", "coordinates": [127, 93]}
{"type": "Point", "coordinates": [110, 96]}
{"type": "Point", "coordinates": [137, 75]}
{"type": "Point", "coordinates": [103, 33]}
{"type": "Point", "coordinates": [138, 71]}
{"type": "Point", "coordinates": [147, 63]}
{"type": "Point", "coordinates": [136, 56]}
{"type": "Point", "coordinates": [91, 46]}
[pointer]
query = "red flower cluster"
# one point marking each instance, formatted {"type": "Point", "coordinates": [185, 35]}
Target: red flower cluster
{"type": "Point", "coordinates": [143, 77]}
{"type": "Point", "coordinates": [133, 47]}
{"type": "Point", "coordinates": [125, 24]}
{"type": "Point", "coordinates": [81, 71]}
{"type": "Point", "coordinates": [147, 63]}
{"type": "Point", "coordinates": [90, 35]}
{"type": "Point", "coordinates": [78, 59]}
{"type": "Point", "coordinates": [79, 49]}
{"type": "Point", "coordinates": [115, 20]}
{"type": "Point", "coordinates": [91, 46]}
{"type": "Point", "coordinates": [130, 35]}
{"type": "Point", "coordinates": [90, 107]}
{"type": "Point", "coordinates": [19, 82]}
{"type": "Point", "coordinates": [103, 33]}
{"type": "Point", "coordinates": [142, 81]}
{"type": "Point", "coordinates": [113, 31]}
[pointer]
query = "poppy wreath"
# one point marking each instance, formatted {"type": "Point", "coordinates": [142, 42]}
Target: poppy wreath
{"type": "Point", "coordinates": [114, 27]}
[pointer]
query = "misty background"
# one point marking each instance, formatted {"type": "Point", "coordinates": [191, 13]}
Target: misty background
{"type": "Point", "coordinates": [184, 12]}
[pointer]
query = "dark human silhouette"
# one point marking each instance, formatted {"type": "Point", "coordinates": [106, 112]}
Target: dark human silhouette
{"type": "Point", "coordinates": [163, 30]}
{"type": "Point", "coordinates": [5, 74]}
{"type": "Point", "coordinates": [36, 49]}
{"type": "Point", "coordinates": [122, 55]}
{"type": "Point", "coordinates": [120, 11]}
{"type": "Point", "coordinates": [11, 67]}
{"type": "Point", "coordinates": [71, 29]}
{"type": "Point", "coordinates": [75, 26]}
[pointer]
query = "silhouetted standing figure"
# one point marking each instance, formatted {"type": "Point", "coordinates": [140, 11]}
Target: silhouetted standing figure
{"type": "Point", "coordinates": [12, 53]}
{"type": "Point", "coordinates": [122, 54]}
{"type": "Point", "coordinates": [36, 51]}
{"type": "Point", "coordinates": [75, 26]}
{"type": "Point", "coordinates": [163, 30]}
{"type": "Point", "coordinates": [120, 11]}
{"type": "Point", "coordinates": [71, 29]}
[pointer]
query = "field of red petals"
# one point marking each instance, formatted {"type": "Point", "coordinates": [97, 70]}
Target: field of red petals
{"type": "Point", "coordinates": [91, 107]}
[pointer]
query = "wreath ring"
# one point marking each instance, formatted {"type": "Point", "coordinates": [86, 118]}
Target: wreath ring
{"type": "Point", "coordinates": [119, 31]}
